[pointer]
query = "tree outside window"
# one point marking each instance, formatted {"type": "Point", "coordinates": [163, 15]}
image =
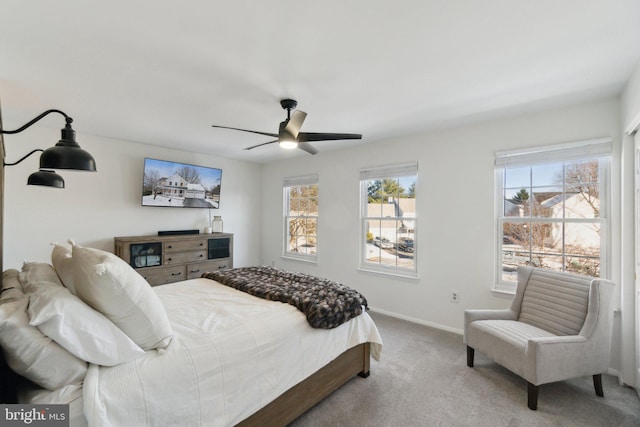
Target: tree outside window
{"type": "Point", "coordinates": [552, 217]}
{"type": "Point", "coordinates": [301, 220]}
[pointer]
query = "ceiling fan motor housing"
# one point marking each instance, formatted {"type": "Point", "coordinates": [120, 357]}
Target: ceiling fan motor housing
{"type": "Point", "coordinates": [288, 104]}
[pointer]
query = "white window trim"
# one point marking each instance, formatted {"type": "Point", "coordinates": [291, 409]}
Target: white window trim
{"type": "Point", "coordinates": [600, 148]}
{"type": "Point", "coordinates": [287, 183]}
{"type": "Point", "coordinates": [381, 172]}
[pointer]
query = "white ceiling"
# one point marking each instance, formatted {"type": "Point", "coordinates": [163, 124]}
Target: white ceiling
{"type": "Point", "coordinates": [161, 72]}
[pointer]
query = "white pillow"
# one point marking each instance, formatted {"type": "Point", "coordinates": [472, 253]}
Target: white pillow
{"type": "Point", "coordinates": [34, 272]}
{"type": "Point", "coordinates": [11, 287]}
{"type": "Point", "coordinates": [111, 286]}
{"type": "Point", "coordinates": [77, 327]}
{"type": "Point", "coordinates": [62, 396]}
{"type": "Point", "coordinates": [34, 355]}
{"type": "Point", "coordinates": [61, 260]}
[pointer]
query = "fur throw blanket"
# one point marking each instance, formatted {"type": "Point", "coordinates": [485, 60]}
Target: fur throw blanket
{"type": "Point", "coordinates": [325, 303]}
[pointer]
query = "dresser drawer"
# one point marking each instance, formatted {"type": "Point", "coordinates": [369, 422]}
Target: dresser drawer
{"type": "Point", "coordinates": [195, 270]}
{"type": "Point", "coordinates": [162, 276]}
{"type": "Point", "coordinates": [184, 257]}
{"type": "Point", "coordinates": [185, 245]}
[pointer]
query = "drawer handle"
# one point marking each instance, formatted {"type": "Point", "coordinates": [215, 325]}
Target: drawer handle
{"type": "Point", "coordinates": [201, 244]}
{"type": "Point", "coordinates": [170, 246]}
{"type": "Point", "coordinates": [201, 255]}
{"type": "Point", "coordinates": [220, 267]}
{"type": "Point", "coordinates": [168, 259]}
{"type": "Point", "coordinates": [176, 274]}
{"type": "Point", "coordinates": [194, 271]}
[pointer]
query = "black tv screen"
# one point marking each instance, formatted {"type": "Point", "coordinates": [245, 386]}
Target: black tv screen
{"type": "Point", "coordinates": [180, 185]}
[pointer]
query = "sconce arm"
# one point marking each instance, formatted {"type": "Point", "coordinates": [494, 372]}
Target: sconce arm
{"type": "Point", "coordinates": [28, 124]}
{"type": "Point", "coordinates": [23, 158]}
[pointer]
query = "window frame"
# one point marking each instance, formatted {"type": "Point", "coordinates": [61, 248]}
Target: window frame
{"type": "Point", "coordinates": [596, 149]}
{"type": "Point", "coordinates": [386, 172]}
{"type": "Point", "coordinates": [287, 185]}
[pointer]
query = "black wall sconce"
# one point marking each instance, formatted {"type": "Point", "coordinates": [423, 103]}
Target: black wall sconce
{"type": "Point", "coordinates": [66, 154]}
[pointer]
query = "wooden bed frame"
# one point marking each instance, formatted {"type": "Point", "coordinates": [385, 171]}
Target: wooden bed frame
{"type": "Point", "coordinates": [284, 409]}
{"type": "Point", "coordinates": [301, 397]}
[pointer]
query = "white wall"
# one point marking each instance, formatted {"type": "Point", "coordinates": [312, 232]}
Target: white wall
{"type": "Point", "coordinates": [455, 208]}
{"type": "Point", "coordinates": [96, 207]}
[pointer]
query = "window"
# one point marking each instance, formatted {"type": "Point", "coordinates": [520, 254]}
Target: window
{"type": "Point", "coordinates": [301, 217]}
{"type": "Point", "coordinates": [552, 208]}
{"type": "Point", "coordinates": [389, 220]}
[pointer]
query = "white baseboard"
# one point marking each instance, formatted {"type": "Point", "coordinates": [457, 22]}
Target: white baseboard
{"type": "Point", "coordinates": [418, 321]}
{"type": "Point", "coordinates": [616, 373]}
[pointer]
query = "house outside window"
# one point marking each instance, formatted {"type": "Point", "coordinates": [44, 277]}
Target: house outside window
{"type": "Point", "coordinates": [301, 217]}
{"type": "Point", "coordinates": [388, 225]}
{"type": "Point", "coordinates": [553, 207]}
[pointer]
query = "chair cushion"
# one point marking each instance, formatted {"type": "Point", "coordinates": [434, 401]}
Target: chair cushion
{"type": "Point", "coordinates": [555, 302]}
{"type": "Point", "coordinates": [504, 341]}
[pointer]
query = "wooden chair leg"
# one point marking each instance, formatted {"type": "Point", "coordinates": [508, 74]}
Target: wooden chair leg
{"type": "Point", "coordinates": [470, 354]}
{"type": "Point", "coordinates": [597, 384]}
{"type": "Point", "coordinates": [532, 391]}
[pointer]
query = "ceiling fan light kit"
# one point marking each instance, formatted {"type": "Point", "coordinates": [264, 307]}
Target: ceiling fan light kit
{"type": "Point", "coordinates": [289, 135]}
{"type": "Point", "coordinates": [288, 145]}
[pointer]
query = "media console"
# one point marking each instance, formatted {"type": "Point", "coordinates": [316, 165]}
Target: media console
{"type": "Point", "coordinates": [171, 258]}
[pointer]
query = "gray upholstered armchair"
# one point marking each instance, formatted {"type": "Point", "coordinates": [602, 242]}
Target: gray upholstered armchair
{"type": "Point", "coordinates": [558, 327]}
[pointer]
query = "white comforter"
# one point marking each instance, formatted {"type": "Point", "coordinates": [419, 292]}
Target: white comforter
{"type": "Point", "coordinates": [231, 354]}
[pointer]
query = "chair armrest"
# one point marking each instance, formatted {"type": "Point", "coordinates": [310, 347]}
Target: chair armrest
{"type": "Point", "coordinates": [558, 358]}
{"type": "Point", "coordinates": [503, 314]}
{"type": "Point", "coordinates": [484, 314]}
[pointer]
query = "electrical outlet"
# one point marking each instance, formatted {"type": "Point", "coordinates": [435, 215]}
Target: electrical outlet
{"type": "Point", "coordinates": [455, 296]}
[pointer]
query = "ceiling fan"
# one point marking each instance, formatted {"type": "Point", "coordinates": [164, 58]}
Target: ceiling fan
{"type": "Point", "coordinates": [289, 135]}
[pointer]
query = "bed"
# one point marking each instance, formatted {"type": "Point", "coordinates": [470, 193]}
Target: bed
{"type": "Point", "coordinates": [231, 359]}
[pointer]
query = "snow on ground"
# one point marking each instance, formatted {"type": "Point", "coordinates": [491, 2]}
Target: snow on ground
{"type": "Point", "coordinates": [170, 201]}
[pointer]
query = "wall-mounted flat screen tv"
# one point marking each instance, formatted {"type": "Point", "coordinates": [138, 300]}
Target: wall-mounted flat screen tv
{"type": "Point", "coordinates": [180, 185]}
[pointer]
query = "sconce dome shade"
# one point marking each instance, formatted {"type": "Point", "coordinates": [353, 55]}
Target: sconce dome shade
{"type": "Point", "coordinates": [46, 178]}
{"type": "Point", "coordinates": [67, 157]}
{"type": "Point", "coordinates": [67, 154]}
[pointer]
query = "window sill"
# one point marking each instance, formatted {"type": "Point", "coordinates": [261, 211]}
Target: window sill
{"type": "Point", "coordinates": [413, 276]}
{"type": "Point", "coordinates": [308, 260]}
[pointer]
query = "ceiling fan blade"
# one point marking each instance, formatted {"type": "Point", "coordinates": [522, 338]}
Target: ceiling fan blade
{"type": "Point", "coordinates": [305, 146]}
{"type": "Point", "coordinates": [295, 123]}
{"type": "Point", "coordinates": [275, 135]}
{"type": "Point", "coordinates": [315, 136]}
{"type": "Point", "coordinates": [260, 145]}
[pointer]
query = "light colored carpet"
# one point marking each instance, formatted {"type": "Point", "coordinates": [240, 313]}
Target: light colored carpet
{"type": "Point", "coordinates": [423, 380]}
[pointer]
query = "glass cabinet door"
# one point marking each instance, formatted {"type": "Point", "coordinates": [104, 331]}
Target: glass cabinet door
{"type": "Point", "coordinates": [146, 254]}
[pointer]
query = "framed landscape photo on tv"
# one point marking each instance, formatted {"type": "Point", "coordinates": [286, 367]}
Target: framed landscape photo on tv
{"type": "Point", "coordinates": [180, 185]}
